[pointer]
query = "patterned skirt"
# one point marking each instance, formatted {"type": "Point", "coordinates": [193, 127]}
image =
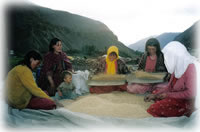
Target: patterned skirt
{"type": "Point", "coordinates": [170, 107]}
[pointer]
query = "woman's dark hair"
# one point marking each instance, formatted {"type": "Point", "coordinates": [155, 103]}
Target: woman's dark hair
{"type": "Point", "coordinates": [52, 43]}
{"type": "Point", "coordinates": [31, 54]}
{"type": "Point", "coordinates": [153, 42]}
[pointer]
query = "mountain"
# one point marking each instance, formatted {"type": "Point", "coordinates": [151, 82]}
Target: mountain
{"type": "Point", "coordinates": [32, 27]}
{"type": "Point", "coordinates": [163, 39]}
{"type": "Point", "coordinates": [188, 36]}
{"type": "Point", "coordinates": [139, 45]}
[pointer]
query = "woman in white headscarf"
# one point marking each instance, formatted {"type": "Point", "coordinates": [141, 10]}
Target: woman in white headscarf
{"type": "Point", "coordinates": [177, 98]}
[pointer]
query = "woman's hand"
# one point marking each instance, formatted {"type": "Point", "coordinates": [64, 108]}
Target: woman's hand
{"type": "Point", "coordinates": [149, 97]}
{"type": "Point", "coordinates": [50, 79]}
{"type": "Point", "coordinates": [60, 93]}
{"type": "Point", "coordinates": [58, 104]}
{"type": "Point", "coordinates": [167, 77]}
{"type": "Point", "coordinates": [52, 88]}
{"type": "Point", "coordinates": [52, 85]}
{"type": "Point", "coordinates": [161, 96]}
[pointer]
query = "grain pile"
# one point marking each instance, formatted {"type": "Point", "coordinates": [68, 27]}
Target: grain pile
{"type": "Point", "coordinates": [106, 77]}
{"type": "Point", "coordinates": [146, 75]}
{"type": "Point", "coordinates": [115, 104]}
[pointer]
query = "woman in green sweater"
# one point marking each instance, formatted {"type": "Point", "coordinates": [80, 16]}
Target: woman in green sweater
{"type": "Point", "coordinates": [21, 88]}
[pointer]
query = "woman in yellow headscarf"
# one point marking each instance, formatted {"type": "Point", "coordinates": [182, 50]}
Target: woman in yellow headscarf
{"type": "Point", "coordinates": [112, 65]}
{"type": "Point", "coordinates": [111, 60]}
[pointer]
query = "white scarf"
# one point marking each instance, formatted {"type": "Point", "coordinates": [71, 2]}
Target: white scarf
{"type": "Point", "coordinates": [177, 58]}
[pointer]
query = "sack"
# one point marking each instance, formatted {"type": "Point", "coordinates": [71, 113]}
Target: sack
{"type": "Point", "coordinates": [80, 82]}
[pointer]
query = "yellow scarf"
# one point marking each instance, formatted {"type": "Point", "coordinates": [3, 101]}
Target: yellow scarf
{"type": "Point", "coordinates": [110, 65]}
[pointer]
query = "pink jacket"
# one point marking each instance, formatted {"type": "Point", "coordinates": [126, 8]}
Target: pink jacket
{"type": "Point", "coordinates": [185, 87]}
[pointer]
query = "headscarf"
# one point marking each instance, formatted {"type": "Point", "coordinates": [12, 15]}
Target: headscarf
{"type": "Point", "coordinates": [177, 58]}
{"type": "Point", "coordinates": [111, 65]}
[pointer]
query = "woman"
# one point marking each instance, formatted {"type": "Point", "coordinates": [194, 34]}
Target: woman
{"type": "Point", "coordinates": [177, 98]}
{"type": "Point", "coordinates": [151, 61]}
{"type": "Point", "coordinates": [55, 61]}
{"type": "Point", "coordinates": [22, 90]}
{"type": "Point", "coordinates": [110, 65]}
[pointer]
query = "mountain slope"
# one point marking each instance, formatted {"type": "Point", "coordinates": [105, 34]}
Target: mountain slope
{"type": "Point", "coordinates": [163, 39]}
{"type": "Point", "coordinates": [188, 36]}
{"type": "Point", "coordinates": [139, 45]}
{"type": "Point", "coordinates": [32, 27]}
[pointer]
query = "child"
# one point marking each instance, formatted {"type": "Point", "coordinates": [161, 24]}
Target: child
{"type": "Point", "coordinates": [66, 88]}
{"type": "Point", "coordinates": [110, 65]}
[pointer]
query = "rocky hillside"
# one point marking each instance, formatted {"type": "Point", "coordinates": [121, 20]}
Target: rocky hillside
{"type": "Point", "coordinates": [32, 27]}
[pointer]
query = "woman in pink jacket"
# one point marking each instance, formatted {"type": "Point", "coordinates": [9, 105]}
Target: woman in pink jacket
{"type": "Point", "coordinates": [151, 61]}
{"type": "Point", "coordinates": [178, 96]}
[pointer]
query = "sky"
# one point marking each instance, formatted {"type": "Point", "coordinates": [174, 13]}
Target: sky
{"type": "Point", "coordinates": [133, 20]}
